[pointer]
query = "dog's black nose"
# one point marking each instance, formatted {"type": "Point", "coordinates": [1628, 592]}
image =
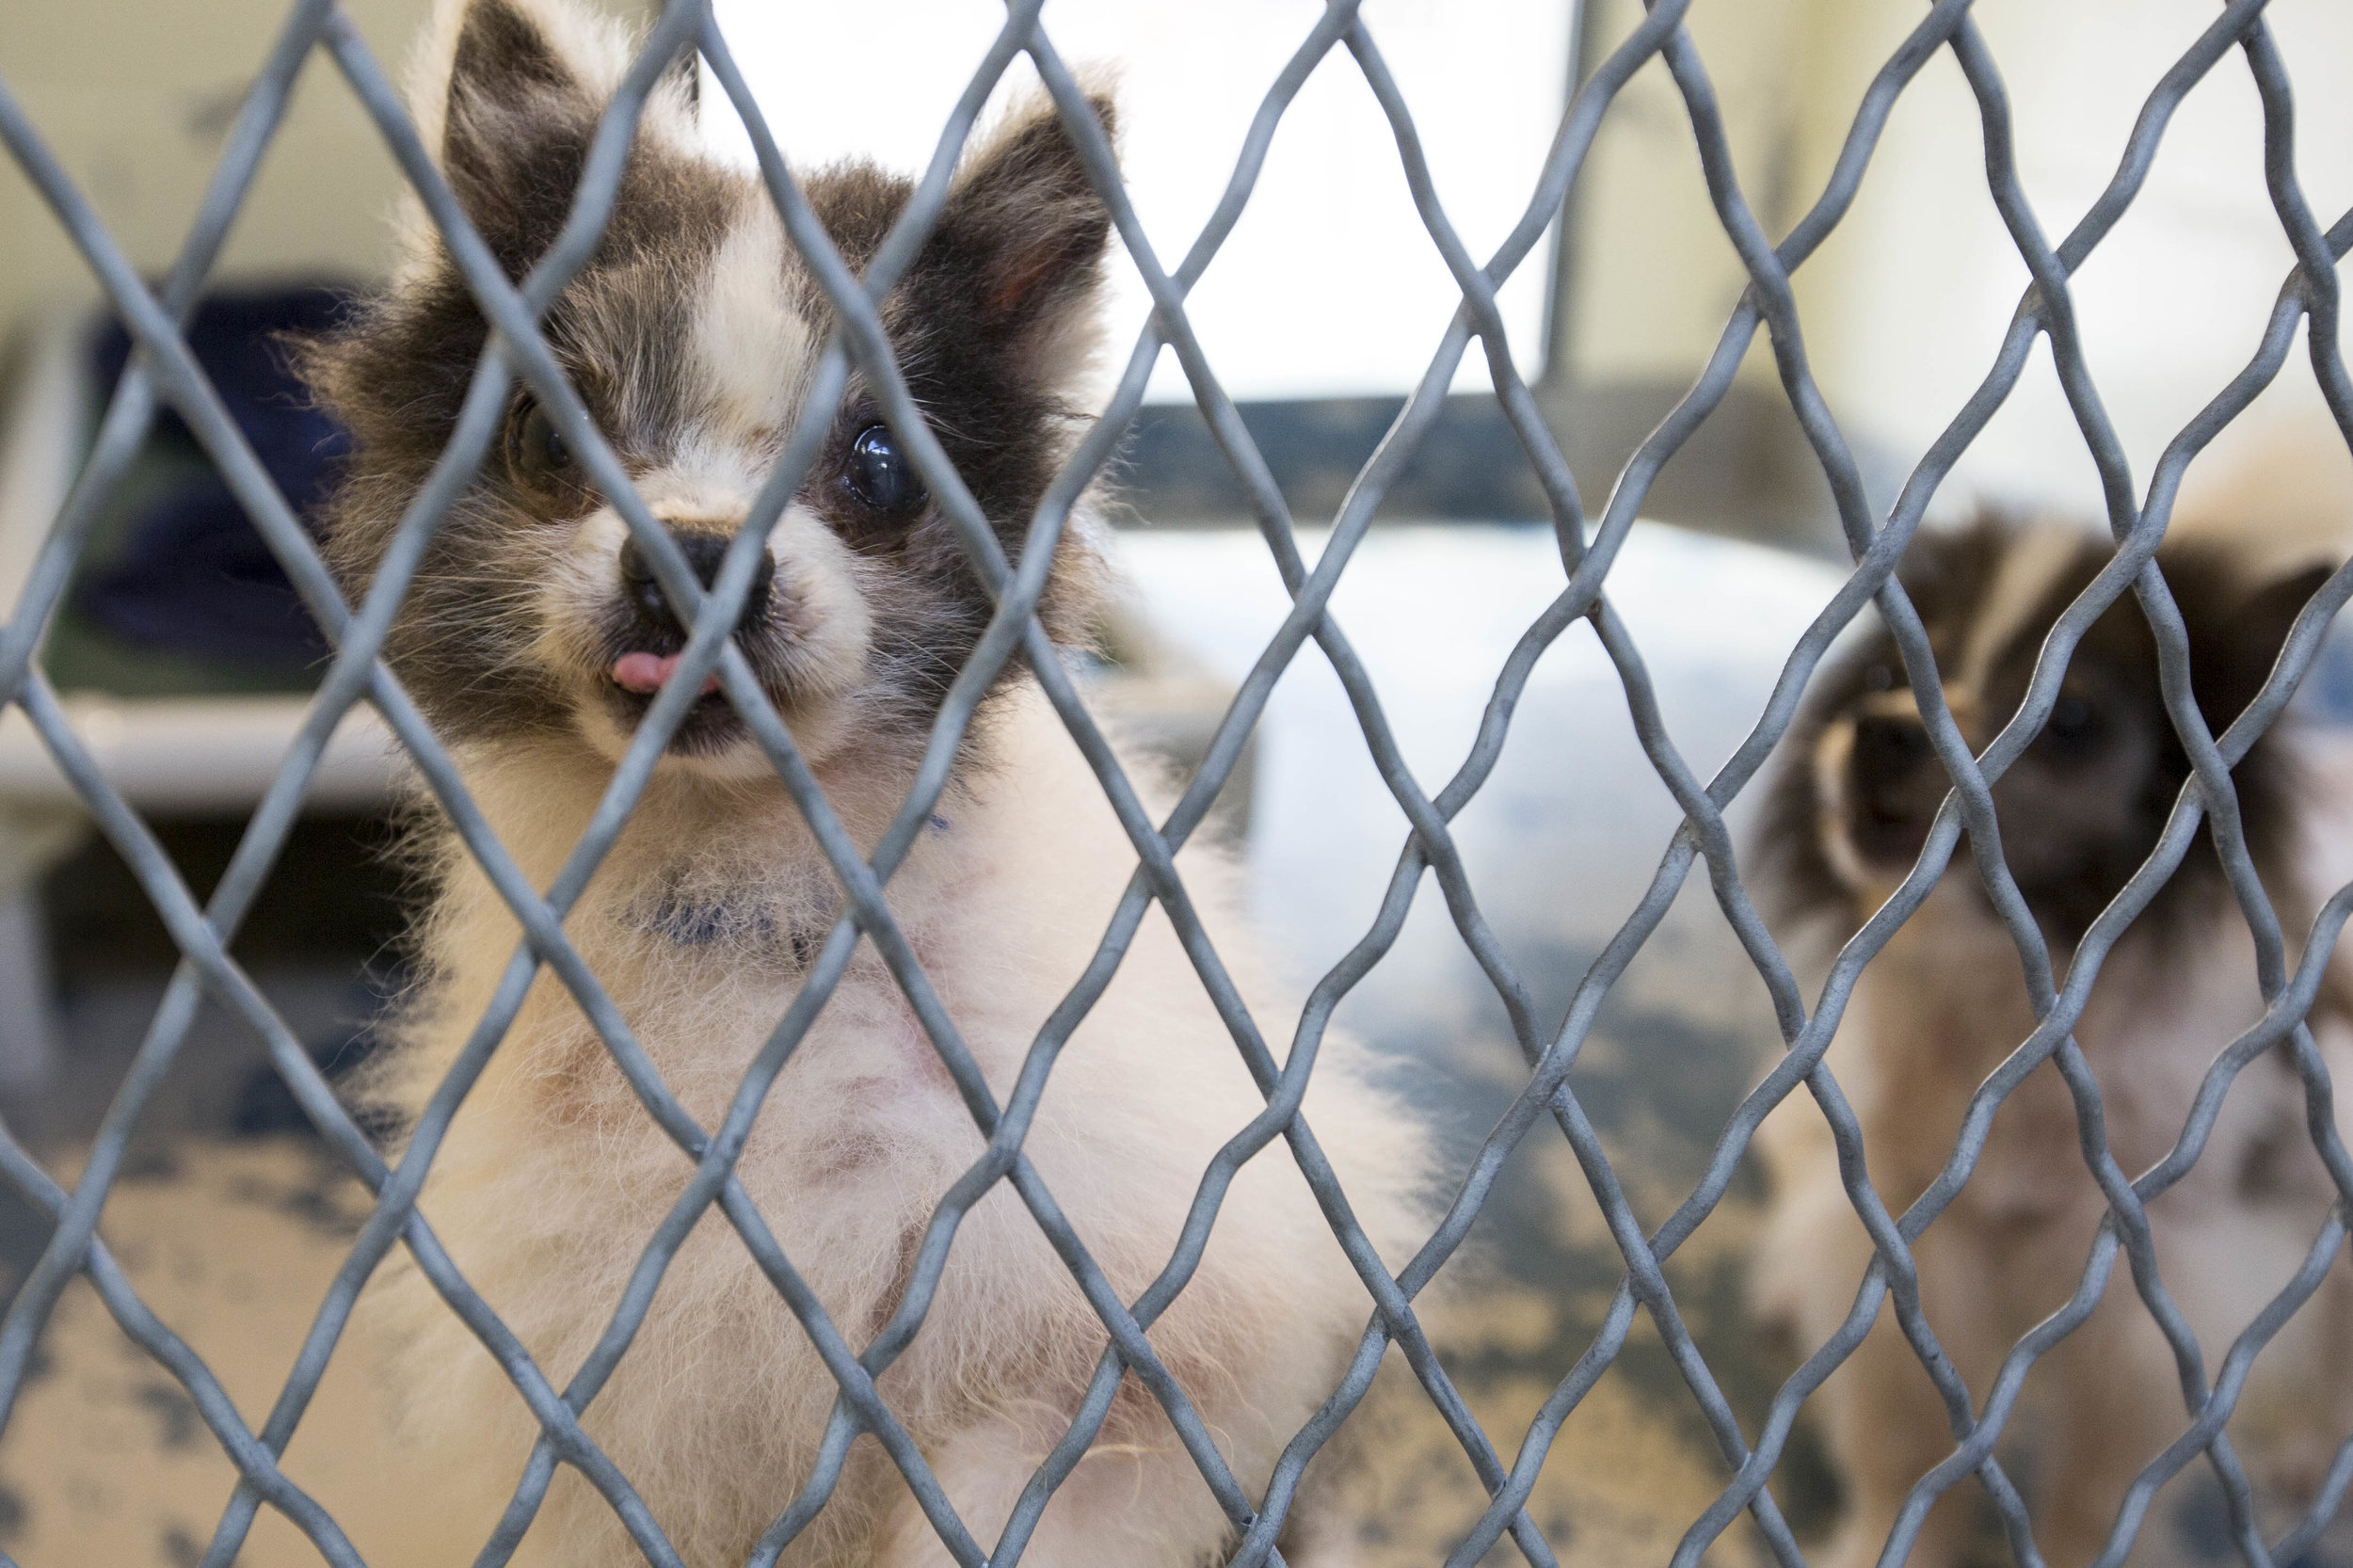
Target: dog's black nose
{"type": "Point", "coordinates": [704, 552]}
{"type": "Point", "coordinates": [1889, 750]}
{"type": "Point", "coordinates": [1896, 785]}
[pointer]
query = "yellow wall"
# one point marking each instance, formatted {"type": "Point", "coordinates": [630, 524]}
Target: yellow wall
{"type": "Point", "coordinates": [1904, 306]}
{"type": "Point", "coordinates": [1654, 276]}
{"type": "Point", "coordinates": [134, 100]}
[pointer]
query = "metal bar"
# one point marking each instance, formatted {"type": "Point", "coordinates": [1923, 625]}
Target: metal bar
{"type": "Point", "coordinates": [860, 344]}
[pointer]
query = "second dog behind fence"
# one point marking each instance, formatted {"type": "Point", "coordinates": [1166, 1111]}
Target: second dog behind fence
{"type": "Point", "coordinates": [1942, 1007]}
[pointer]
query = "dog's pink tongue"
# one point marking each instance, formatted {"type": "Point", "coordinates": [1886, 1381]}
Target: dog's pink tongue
{"type": "Point", "coordinates": [644, 673]}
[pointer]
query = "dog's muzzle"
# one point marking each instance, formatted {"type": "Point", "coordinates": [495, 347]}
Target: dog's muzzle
{"type": "Point", "coordinates": [651, 639]}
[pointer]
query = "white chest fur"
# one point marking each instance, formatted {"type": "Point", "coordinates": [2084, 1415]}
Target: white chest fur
{"type": "Point", "coordinates": [553, 1175]}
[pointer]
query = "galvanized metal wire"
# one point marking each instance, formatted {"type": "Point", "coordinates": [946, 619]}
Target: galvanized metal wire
{"type": "Point", "coordinates": [163, 371]}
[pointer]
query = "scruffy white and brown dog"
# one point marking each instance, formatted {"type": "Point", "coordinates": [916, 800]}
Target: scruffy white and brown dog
{"type": "Point", "coordinates": [1941, 1006]}
{"type": "Point", "coordinates": [534, 639]}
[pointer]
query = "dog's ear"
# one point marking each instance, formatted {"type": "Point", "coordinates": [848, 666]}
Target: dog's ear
{"type": "Point", "coordinates": [1024, 229]}
{"type": "Point", "coordinates": [508, 93]}
{"type": "Point", "coordinates": [2235, 634]}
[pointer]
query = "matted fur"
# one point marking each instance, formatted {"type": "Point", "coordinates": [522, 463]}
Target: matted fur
{"type": "Point", "coordinates": [1945, 1002]}
{"type": "Point", "coordinates": [690, 334]}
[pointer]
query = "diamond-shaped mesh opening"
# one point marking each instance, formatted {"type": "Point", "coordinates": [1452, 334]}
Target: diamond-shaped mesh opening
{"type": "Point", "coordinates": [166, 373]}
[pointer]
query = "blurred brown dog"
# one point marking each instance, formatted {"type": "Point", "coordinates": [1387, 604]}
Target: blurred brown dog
{"type": "Point", "coordinates": [1945, 1002]}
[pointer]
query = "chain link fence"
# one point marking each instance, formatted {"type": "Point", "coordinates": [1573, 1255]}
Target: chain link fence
{"type": "Point", "coordinates": [164, 372]}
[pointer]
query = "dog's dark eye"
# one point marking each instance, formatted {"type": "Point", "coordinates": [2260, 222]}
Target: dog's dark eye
{"type": "Point", "coordinates": [536, 449]}
{"type": "Point", "coordinates": [2075, 730]}
{"type": "Point", "coordinates": [880, 475]}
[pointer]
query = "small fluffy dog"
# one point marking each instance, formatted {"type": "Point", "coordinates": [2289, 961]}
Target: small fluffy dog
{"type": "Point", "coordinates": [1945, 1002]}
{"type": "Point", "coordinates": [535, 640]}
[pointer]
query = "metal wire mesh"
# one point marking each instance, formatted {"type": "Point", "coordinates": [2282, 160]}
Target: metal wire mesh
{"type": "Point", "coordinates": [164, 372]}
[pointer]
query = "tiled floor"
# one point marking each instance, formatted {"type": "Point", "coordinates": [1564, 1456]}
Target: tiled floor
{"type": "Point", "coordinates": [233, 1243]}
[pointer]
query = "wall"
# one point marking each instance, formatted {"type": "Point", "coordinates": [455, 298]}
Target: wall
{"type": "Point", "coordinates": [134, 100]}
{"type": "Point", "coordinates": [1904, 306]}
